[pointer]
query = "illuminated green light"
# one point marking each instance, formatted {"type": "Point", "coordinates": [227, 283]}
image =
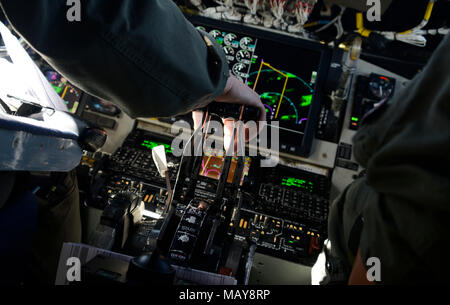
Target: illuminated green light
{"type": "Point", "coordinates": [290, 181]}
{"type": "Point", "coordinates": [151, 145]}
{"type": "Point", "coordinates": [287, 117]}
{"type": "Point", "coordinates": [313, 77]}
{"type": "Point", "coordinates": [266, 95]}
{"type": "Point", "coordinates": [57, 89]}
{"type": "Point", "coordinates": [306, 100]}
{"type": "Point", "coordinates": [254, 60]}
{"type": "Point", "coordinates": [355, 119]}
{"type": "Point", "coordinates": [291, 242]}
{"type": "Point", "coordinates": [290, 75]}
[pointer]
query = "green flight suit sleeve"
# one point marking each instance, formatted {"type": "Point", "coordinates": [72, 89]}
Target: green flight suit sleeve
{"type": "Point", "coordinates": [406, 196]}
{"type": "Point", "coordinates": [142, 55]}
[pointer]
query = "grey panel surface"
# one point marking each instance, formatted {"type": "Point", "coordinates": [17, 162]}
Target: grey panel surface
{"type": "Point", "coordinates": [267, 270]}
{"type": "Point", "coordinates": [116, 136]}
{"type": "Point", "coordinates": [343, 177]}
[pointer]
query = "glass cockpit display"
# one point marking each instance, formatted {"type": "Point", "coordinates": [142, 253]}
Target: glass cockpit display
{"type": "Point", "coordinates": [284, 76]}
{"type": "Point", "coordinates": [70, 94]}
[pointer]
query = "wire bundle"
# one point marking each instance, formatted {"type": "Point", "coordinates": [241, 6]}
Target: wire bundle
{"type": "Point", "coordinates": [414, 36]}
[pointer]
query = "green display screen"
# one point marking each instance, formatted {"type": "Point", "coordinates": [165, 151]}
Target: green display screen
{"type": "Point", "coordinates": [299, 183]}
{"type": "Point", "coordinates": [152, 144]}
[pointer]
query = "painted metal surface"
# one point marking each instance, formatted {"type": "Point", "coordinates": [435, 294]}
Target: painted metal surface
{"type": "Point", "coordinates": [48, 140]}
{"type": "Point", "coordinates": [23, 151]}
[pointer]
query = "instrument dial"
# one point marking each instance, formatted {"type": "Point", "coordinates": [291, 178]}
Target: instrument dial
{"type": "Point", "coordinates": [244, 56]}
{"type": "Point", "coordinates": [215, 33]}
{"type": "Point", "coordinates": [228, 50]}
{"type": "Point", "coordinates": [240, 69]}
{"type": "Point", "coordinates": [381, 88]}
{"type": "Point", "coordinates": [229, 38]}
{"type": "Point", "coordinates": [247, 43]}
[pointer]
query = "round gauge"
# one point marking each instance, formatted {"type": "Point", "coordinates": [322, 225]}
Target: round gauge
{"type": "Point", "coordinates": [244, 56]}
{"type": "Point", "coordinates": [228, 50]}
{"type": "Point", "coordinates": [246, 43]}
{"type": "Point", "coordinates": [215, 33]}
{"type": "Point", "coordinates": [381, 88]}
{"type": "Point", "coordinates": [201, 28]}
{"type": "Point", "coordinates": [240, 69]}
{"type": "Point", "coordinates": [229, 38]}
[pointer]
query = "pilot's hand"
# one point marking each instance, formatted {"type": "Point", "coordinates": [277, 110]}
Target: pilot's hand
{"type": "Point", "coordinates": [236, 93]}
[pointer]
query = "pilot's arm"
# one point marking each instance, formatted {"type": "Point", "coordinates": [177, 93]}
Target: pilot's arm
{"type": "Point", "coordinates": [142, 55]}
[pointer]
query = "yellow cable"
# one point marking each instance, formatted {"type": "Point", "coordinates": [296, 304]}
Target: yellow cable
{"type": "Point", "coordinates": [429, 10]}
{"type": "Point", "coordinates": [365, 32]}
{"type": "Point", "coordinates": [310, 24]}
{"type": "Point", "coordinates": [405, 32]}
{"type": "Point", "coordinates": [360, 25]}
{"type": "Point", "coordinates": [427, 16]}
